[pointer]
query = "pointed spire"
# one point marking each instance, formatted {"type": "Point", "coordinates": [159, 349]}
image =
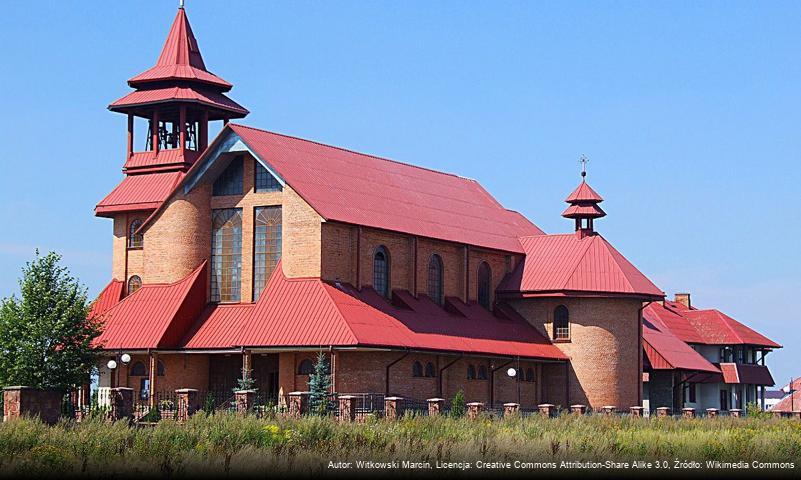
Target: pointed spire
{"type": "Point", "coordinates": [584, 202]}
{"type": "Point", "coordinates": [180, 59]}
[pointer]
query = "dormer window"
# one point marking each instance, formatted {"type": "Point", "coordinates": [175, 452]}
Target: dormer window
{"type": "Point", "coordinates": [435, 290]}
{"type": "Point", "coordinates": [230, 180]}
{"type": "Point", "coordinates": [135, 239]}
{"type": "Point", "coordinates": [381, 271]}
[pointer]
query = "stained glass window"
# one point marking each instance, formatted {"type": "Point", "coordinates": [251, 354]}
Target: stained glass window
{"type": "Point", "coordinates": [381, 271]}
{"type": "Point", "coordinates": [230, 180]}
{"type": "Point", "coordinates": [265, 182]}
{"type": "Point", "coordinates": [266, 246]}
{"type": "Point", "coordinates": [226, 255]}
{"type": "Point", "coordinates": [435, 279]}
{"type": "Point", "coordinates": [135, 240]}
{"type": "Point", "coordinates": [484, 285]}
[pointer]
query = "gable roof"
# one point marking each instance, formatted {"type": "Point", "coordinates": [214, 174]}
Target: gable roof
{"type": "Point", "coordinates": [707, 327]}
{"type": "Point", "coordinates": [574, 264]}
{"type": "Point", "coordinates": [156, 315]}
{"type": "Point", "coordinates": [310, 312]}
{"type": "Point", "coordinates": [665, 351]}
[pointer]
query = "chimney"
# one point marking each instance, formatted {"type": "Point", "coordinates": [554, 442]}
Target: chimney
{"type": "Point", "coordinates": [683, 298]}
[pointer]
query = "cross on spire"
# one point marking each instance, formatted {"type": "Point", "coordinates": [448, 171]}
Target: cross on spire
{"type": "Point", "coordinates": [584, 161]}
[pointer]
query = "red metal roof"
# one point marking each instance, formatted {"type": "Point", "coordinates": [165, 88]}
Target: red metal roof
{"type": "Point", "coordinates": [584, 193]}
{"type": "Point", "coordinates": [184, 93]}
{"type": "Point", "coordinates": [139, 192]}
{"type": "Point", "coordinates": [180, 59]}
{"type": "Point", "coordinates": [362, 189]}
{"type": "Point", "coordinates": [149, 161]}
{"type": "Point", "coordinates": [109, 297]}
{"type": "Point", "coordinates": [156, 315]}
{"type": "Point", "coordinates": [746, 374]}
{"type": "Point", "coordinates": [584, 211]}
{"type": "Point", "coordinates": [572, 264]}
{"type": "Point", "coordinates": [665, 351]}
{"type": "Point", "coordinates": [310, 312]}
{"type": "Point", "coordinates": [790, 403]}
{"type": "Point", "coordinates": [709, 327]}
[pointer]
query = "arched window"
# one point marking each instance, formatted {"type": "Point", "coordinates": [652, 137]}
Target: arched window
{"type": "Point", "coordinates": [471, 372]}
{"type": "Point", "coordinates": [482, 372]}
{"type": "Point", "coordinates": [134, 284]}
{"type": "Point", "coordinates": [135, 240]}
{"type": "Point", "coordinates": [430, 370]}
{"type": "Point", "coordinates": [306, 367]}
{"type": "Point", "coordinates": [435, 279]}
{"type": "Point", "coordinates": [484, 285]}
{"type": "Point", "coordinates": [138, 370]}
{"type": "Point", "coordinates": [226, 255]}
{"type": "Point", "coordinates": [561, 323]}
{"type": "Point", "coordinates": [417, 369]}
{"type": "Point", "coordinates": [266, 246]}
{"type": "Point", "coordinates": [160, 369]}
{"type": "Point", "coordinates": [381, 271]}
{"type": "Point", "coordinates": [529, 374]}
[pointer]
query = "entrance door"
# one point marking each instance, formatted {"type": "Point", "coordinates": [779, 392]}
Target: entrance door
{"type": "Point", "coordinates": [265, 373]}
{"type": "Point", "coordinates": [724, 399]}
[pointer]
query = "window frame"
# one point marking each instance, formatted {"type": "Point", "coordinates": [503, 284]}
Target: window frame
{"type": "Point", "coordinates": [436, 274]}
{"type": "Point", "coordinates": [429, 370]}
{"type": "Point", "coordinates": [386, 290]}
{"type": "Point", "coordinates": [276, 253]}
{"type": "Point", "coordinates": [234, 257]}
{"type": "Point", "coordinates": [132, 278]}
{"type": "Point", "coordinates": [226, 190]}
{"type": "Point", "coordinates": [561, 324]}
{"type": "Point", "coordinates": [304, 363]}
{"type": "Point", "coordinates": [484, 285]}
{"type": "Point", "coordinates": [471, 372]}
{"type": "Point", "coordinates": [417, 369]}
{"type": "Point", "coordinates": [135, 241]}
{"type": "Point", "coordinates": [275, 185]}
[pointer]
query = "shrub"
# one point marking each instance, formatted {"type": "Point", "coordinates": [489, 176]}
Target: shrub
{"type": "Point", "coordinates": [458, 405]}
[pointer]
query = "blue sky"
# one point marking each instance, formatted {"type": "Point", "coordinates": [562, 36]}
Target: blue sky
{"type": "Point", "coordinates": [689, 111]}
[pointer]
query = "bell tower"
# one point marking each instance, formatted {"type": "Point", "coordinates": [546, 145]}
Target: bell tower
{"type": "Point", "coordinates": [584, 206]}
{"type": "Point", "coordinates": [177, 98]}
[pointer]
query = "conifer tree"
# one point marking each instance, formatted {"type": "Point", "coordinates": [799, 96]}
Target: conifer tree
{"type": "Point", "coordinates": [320, 385]}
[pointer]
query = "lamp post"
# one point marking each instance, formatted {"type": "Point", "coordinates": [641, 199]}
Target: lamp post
{"type": "Point", "coordinates": [112, 366]}
{"type": "Point", "coordinates": [514, 373]}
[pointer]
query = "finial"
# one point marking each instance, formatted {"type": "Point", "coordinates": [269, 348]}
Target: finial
{"type": "Point", "coordinates": [181, 4]}
{"type": "Point", "coordinates": [584, 161]}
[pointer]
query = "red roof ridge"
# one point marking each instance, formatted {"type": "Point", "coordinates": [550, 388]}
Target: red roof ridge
{"type": "Point", "coordinates": [356, 152]}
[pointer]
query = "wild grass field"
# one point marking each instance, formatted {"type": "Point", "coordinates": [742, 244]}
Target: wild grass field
{"type": "Point", "coordinates": [237, 446]}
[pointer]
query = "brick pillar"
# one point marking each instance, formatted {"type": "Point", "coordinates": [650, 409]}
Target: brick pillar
{"type": "Point", "coordinates": [19, 401]}
{"type": "Point", "coordinates": [435, 406]}
{"type": "Point", "coordinates": [474, 409]}
{"type": "Point", "coordinates": [547, 409]}
{"type": "Point", "coordinates": [609, 409]}
{"type": "Point", "coordinates": [636, 411]}
{"type": "Point", "coordinates": [736, 412]}
{"type": "Point", "coordinates": [393, 408]}
{"type": "Point", "coordinates": [688, 412]}
{"type": "Point", "coordinates": [511, 409]}
{"type": "Point", "coordinates": [188, 403]}
{"type": "Point", "coordinates": [298, 404]}
{"type": "Point", "coordinates": [578, 409]}
{"type": "Point", "coordinates": [121, 403]}
{"type": "Point", "coordinates": [663, 411]}
{"type": "Point", "coordinates": [712, 412]}
{"type": "Point", "coordinates": [347, 409]}
{"type": "Point", "coordinates": [244, 401]}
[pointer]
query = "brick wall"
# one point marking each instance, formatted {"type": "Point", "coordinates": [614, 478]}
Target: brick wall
{"type": "Point", "coordinates": [604, 348]}
{"type": "Point", "coordinates": [302, 233]}
{"type": "Point", "coordinates": [180, 371]}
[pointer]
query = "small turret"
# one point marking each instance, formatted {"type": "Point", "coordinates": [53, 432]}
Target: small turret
{"type": "Point", "coordinates": [584, 205]}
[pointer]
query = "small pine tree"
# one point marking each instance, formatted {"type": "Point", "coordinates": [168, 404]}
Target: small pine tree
{"type": "Point", "coordinates": [246, 382]}
{"type": "Point", "coordinates": [320, 385]}
{"type": "Point", "coordinates": [458, 405]}
{"type": "Point", "coordinates": [47, 335]}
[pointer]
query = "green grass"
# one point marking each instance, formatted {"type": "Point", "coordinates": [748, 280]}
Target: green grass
{"type": "Point", "coordinates": [229, 443]}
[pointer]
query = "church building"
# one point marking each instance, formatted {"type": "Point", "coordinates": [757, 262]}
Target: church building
{"type": "Point", "coordinates": [252, 252]}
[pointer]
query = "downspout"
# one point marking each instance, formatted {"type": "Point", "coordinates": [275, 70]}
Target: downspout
{"type": "Point", "coordinates": [359, 258]}
{"type": "Point", "coordinates": [492, 381]}
{"type": "Point", "coordinates": [386, 374]}
{"type": "Point", "coordinates": [441, 370]}
{"type": "Point", "coordinates": [414, 274]}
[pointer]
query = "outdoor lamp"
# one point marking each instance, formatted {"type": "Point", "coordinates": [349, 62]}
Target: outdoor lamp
{"type": "Point", "coordinates": [112, 364]}
{"type": "Point", "coordinates": [126, 359]}
{"type": "Point", "coordinates": [511, 372]}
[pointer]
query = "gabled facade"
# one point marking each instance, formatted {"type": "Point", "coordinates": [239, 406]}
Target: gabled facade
{"type": "Point", "coordinates": [249, 254]}
{"type": "Point", "coordinates": [702, 358]}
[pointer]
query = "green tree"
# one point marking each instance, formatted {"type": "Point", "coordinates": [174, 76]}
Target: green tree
{"type": "Point", "coordinates": [458, 405]}
{"type": "Point", "coordinates": [46, 335]}
{"type": "Point", "coordinates": [320, 385]}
